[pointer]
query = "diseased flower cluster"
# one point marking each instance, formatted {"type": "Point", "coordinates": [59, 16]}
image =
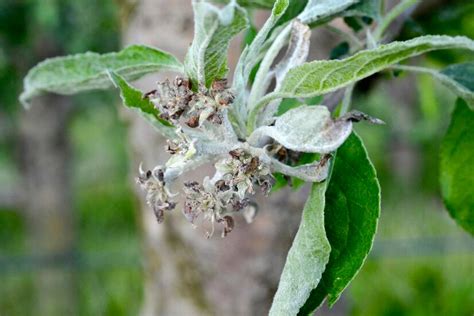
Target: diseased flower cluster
{"type": "Point", "coordinates": [176, 100]}
{"type": "Point", "coordinates": [237, 171]}
{"type": "Point", "coordinates": [158, 197]}
{"type": "Point", "coordinates": [204, 130]}
{"type": "Point", "coordinates": [218, 198]}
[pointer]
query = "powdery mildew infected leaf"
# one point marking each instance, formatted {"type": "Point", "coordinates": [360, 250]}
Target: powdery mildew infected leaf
{"type": "Point", "coordinates": [317, 10]}
{"type": "Point", "coordinates": [309, 129]}
{"type": "Point", "coordinates": [213, 29]}
{"type": "Point", "coordinates": [319, 77]}
{"type": "Point", "coordinates": [88, 71]}
{"type": "Point", "coordinates": [306, 259]}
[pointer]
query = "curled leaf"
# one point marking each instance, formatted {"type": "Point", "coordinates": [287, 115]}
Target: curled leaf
{"type": "Point", "coordinates": [309, 129]}
{"type": "Point", "coordinates": [213, 29]}
{"type": "Point", "coordinates": [296, 54]}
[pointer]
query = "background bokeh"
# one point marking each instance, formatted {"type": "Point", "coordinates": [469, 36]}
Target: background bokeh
{"type": "Point", "coordinates": [421, 264]}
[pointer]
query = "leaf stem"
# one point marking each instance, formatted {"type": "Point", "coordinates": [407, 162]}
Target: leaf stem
{"type": "Point", "coordinates": [351, 38]}
{"type": "Point", "coordinates": [346, 101]}
{"type": "Point", "coordinates": [416, 69]}
{"type": "Point", "coordinates": [391, 16]}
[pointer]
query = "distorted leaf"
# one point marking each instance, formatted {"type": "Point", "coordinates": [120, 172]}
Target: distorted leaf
{"type": "Point", "coordinates": [206, 59]}
{"type": "Point", "coordinates": [309, 129]}
{"type": "Point", "coordinates": [297, 51]}
{"type": "Point", "coordinates": [296, 54]}
{"type": "Point", "coordinates": [252, 55]}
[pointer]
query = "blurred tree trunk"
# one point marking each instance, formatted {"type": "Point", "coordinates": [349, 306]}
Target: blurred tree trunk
{"type": "Point", "coordinates": [186, 274]}
{"type": "Point", "coordinates": [44, 155]}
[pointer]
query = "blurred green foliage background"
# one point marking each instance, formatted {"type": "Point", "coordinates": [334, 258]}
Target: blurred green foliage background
{"type": "Point", "coordinates": [422, 263]}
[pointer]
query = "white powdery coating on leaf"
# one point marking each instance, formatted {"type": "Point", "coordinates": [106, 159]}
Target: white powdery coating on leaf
{"type": "Point", "coordinates": [317, 10]}
{"type": "Point", "coordinates": [306, 259]}
{"type": "Point", "coordinates": [320, 77]}
{"type": "Point", "coordinates": [307, 129]}
{"type": "Point", "coordinates": [88, 71]}
{"type": "Point", "coordinates": [206, 59]}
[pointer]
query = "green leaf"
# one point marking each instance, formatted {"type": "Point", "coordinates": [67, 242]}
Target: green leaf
{"type": "Point", "coordinates": [319, 10]}
{"type": "Point", "coordinates": [206, 59]}
{"type": "Point", "coordinates": [306, 259]}
{"type": "Point", "coordinates": [293, 10]}
{"type": "Point", "coordinates": [339, 51]}
{"type": "Point", "coordinates": [83, 72]}
{"type": "Point", "coordinates": [324, 76]}
{"type": "Point", "coordinates": [457, 161]}
{"type": "Point", "coordinates": [350, 219]}
{"type": "Point", "coordinates": [365, 8]}
{"type": "Point", "coordinates": [458, 78]}
{"type": "Point", "coordinates": [462, 76]}
{"type": "Point", "coordinates": [133, 98]}
{"type": "Point", "coordinates": [320, 77]}
{"type": "Point", "coordinates": [461, 73]}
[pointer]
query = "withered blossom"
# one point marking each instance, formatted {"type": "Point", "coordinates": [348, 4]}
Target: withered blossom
{"type": "Point", "coordinates": [176, 100]}
{"type": "Point", "coordinates": [204, 132]}
{"type": "Point", "coordinates": [158, 196]}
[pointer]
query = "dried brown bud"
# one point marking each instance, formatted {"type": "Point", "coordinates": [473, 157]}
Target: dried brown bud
{"type": "Point", "coordinates": [228, 222]}
{"type": "Point", "coordinates": [221, 185]}
{"type": "Point", "coordinates": [159, 214]}
{"type": "Point", "coordinates": [215, 118]}
{"type": "Point", "coordinates": [266, 183]}
{"type": "Point", "coordinates": [149, 94]}
{"type": "Point", "coordinates": [251, 166]}
{"type": "Point", "coordinates": [219, 85]}
{"type": "Point", "coordinates": [193, 121]}
{"type": "Point", "coordinates": [157, 195]}
{"type": "Point", "coordinates": [238, 205]}
{"type": "Point", "coordinates": [236, 153]}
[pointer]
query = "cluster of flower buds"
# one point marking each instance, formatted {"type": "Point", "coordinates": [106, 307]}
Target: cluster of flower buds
{"type": "Point", "coordinates": [209, 201]}
{"type": "Point", "coordinates": [218, 198]}
{"type": "Point", "coordinates": [203, 121]}
{"type": "Point", "coordinates": [158, 197]}
{"type": "Point", "coordinates": [241, 171]}
{"type": "Point", "coordinates": [176, 100]}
